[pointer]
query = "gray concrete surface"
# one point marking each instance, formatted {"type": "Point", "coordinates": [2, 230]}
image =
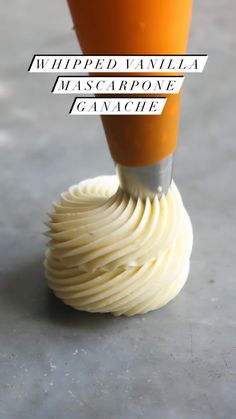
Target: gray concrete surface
{"type": "Point", "coordinates": [176, 363]}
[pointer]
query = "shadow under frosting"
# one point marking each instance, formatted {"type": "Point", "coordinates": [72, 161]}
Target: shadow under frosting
{"type": "Point", "coordinates": [25, 292]}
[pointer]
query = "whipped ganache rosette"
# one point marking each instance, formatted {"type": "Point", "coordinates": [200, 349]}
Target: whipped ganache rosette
{"type": "Point", "coordinates": [109, 252]}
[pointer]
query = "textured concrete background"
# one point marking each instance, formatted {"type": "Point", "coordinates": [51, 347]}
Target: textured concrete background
{"type": "Point", "coordinates": [176, 363]}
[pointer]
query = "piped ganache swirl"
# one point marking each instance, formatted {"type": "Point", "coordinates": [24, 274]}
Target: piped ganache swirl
{"type": "Point", "coordinates": [109, 252]}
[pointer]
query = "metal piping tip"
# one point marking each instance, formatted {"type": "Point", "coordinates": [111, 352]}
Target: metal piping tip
{"type": "Point", "coordinates": [146, 181]}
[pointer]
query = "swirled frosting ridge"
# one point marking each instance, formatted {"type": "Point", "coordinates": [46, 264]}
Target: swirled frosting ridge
{"type": "Point", "coordinates": [109, 252]}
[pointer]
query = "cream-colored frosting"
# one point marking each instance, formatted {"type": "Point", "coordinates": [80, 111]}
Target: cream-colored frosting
{"type": "Point", "coordinates": [112, 253]}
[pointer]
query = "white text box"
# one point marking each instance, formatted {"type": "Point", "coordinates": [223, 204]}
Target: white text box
{"type": "Point", "coordinates": [117, 85]}
{"type": "Point", "coordinates": [118, 63]}
{"type": "Point", "coordinates": [117, 106]}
